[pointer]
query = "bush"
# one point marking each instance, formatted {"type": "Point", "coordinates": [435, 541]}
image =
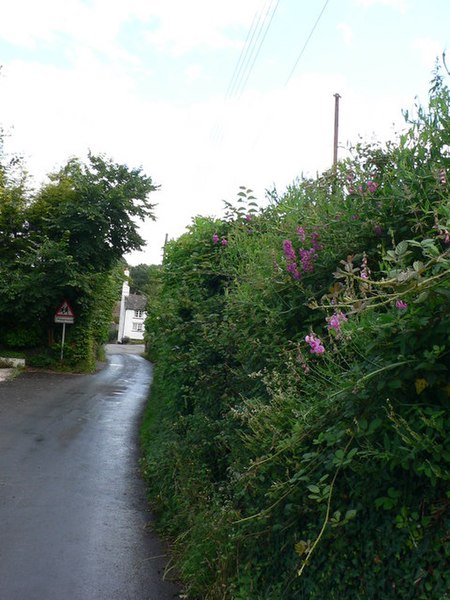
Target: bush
{"type": "Point", "coordinates": [297, 439]}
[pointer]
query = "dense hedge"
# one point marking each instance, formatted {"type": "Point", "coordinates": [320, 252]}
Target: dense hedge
{"type": "Point", "coordinates": [65, 241]}
{"type": "Point", "coordinates": [296, 443]}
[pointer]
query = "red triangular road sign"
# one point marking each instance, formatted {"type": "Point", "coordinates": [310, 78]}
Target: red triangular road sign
{"type": "Point", "coordinates": [64, 310]}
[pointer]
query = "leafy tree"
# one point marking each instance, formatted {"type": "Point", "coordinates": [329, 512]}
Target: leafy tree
{"type": "Point", "coordinates": [142, 278]}
{"type": "Point", "coordinates": [94, 206]}
{"type": "Point", "coordinates": [65, 242]}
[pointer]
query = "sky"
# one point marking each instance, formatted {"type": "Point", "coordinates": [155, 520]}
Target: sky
{"type": "Point", "coordinates": [209, 95]}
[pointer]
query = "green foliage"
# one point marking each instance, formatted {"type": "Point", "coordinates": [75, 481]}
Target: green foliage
{"type": "Point", "coordinates": [297, 436]}
{"type": "Point", "coordinates": [66, 242]}
{"type": "Point", "coordinates": [143, 278]}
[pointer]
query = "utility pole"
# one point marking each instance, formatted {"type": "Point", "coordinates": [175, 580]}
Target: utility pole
{"type": "Point", "coordinates": [336, 128]}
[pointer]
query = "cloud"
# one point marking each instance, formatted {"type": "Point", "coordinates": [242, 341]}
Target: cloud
{"type": "Point", "coordinates": [428, 50]}
{"type": "Point", "coordinates": [170, 25]}
{"type": "Point", "coordinates": [401, 6]}
{"type": "Point", "coordinates": [346, 32]}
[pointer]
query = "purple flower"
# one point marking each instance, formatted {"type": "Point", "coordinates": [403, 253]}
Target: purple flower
{"type": "Point", "coordinates": [372, 186]}
{"type": "Point", "coordinates": [307, 257]}
{"type": "Point", "coordinates": [301, 234]}
{"type": "Point", "coordinates": [401, 305]}
{"type": "Point", "coordinates": [248, 217]}
{"type": "Point", "coordinates": [292, 269]}
{"type": "Point", "coordinates": [289, 251]}
{"type": "Point", "coordinates": [315, 241]}
{"type": "Point", "coordinates": [215, 238]}
{"type": "Point", "coordinates": [316, 346]}
{"type": "Point", "coordinates": [378, 230]}
{"type": "Point", "coordinates": [224, 242]}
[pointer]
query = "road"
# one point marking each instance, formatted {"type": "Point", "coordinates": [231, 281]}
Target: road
{"type": "Point", "coordinates": [74, 524]}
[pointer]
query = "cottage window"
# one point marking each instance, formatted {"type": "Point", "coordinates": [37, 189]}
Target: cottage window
{"type": "Point", "coordinates": [139, 314]}
{"type": "Point", "coordinates": [137, 327]}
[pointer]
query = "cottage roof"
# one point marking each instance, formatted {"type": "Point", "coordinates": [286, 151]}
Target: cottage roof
{"type": "Point", "coordinates": [135, 302]}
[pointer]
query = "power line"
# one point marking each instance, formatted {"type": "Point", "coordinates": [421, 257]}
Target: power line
{"type": "Point", "coordinates": [243, 54]}
{"type": "Point", "coordinates": [261, 23]}
{"type": "Point", "coordinates": [261, 36]}
{"type": "Point", "coordinates": [302, 51]}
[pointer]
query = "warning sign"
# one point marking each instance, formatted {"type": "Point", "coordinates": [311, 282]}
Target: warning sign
{"type": "Point", "coordinates": [64, 314]}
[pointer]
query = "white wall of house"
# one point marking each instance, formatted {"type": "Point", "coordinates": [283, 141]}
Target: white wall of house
{"type": "Point", "coordinates": [131, 321]}
{"type": "Point", "coordinates": [125, 292]}
{"type": "Point", "coordinates": [134, 324]}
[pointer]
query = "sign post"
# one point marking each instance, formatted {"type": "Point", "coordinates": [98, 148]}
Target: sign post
{"type": "Point", "coordinates": [64, 315]}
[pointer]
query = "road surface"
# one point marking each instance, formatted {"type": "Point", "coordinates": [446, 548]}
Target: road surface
{"type": "Point", "coordinates": [73, 518]}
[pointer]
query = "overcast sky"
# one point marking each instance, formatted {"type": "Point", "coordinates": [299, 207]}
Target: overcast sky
{"type": "Point", "coordinates": [208, 95]}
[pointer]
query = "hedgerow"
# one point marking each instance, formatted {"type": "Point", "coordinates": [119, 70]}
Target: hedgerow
{"type": "Point", "coordinates": [296, 443]}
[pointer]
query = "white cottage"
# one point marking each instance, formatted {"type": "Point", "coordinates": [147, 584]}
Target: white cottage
{"type": "Point", "coordinates": [132, 314]}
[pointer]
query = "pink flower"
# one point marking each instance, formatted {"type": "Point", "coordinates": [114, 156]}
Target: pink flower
{"type": "Point", "coordinates": [248, 217]}
{"type": "Point", "coordinates": [215, 238]}
{"type": "Point", "coordinates": [316, 346]}
{"type": "Point", "coordinates": [336, 320]}
{"type": "Point", "coordinates": [401, 305]}
{"type": "Point", "coordinates": [224, 242]}
{"type": "Point", "coordinates": [372, 186]}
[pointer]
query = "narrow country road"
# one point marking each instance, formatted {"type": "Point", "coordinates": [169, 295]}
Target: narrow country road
{"type": "Point", "coordinates": [73, 519]}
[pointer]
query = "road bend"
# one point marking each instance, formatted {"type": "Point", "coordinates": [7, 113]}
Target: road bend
{"type": "Point", "coordinates": [74, 524]}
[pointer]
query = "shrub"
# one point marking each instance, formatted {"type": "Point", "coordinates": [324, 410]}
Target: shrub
{"type": "Point", "coordinates": [297, 434]}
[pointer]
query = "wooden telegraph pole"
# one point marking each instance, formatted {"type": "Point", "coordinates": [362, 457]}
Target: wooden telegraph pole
{"type": "Point", "coordinates": [336, 128]}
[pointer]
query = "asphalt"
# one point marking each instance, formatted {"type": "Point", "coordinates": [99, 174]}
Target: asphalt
{"type": "Point", "coordinates": [74, 523]}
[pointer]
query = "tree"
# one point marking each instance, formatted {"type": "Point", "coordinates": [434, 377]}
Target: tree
{"type": "Point", "coordinates": [142, 278]}
{"type": "Point", "coordinates": [95, 206]}
{"type": "Point", "coordinates": [65, 242]}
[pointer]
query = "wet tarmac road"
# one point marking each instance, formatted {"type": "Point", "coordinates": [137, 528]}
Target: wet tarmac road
{"type": "Point", "coordinates": [73, 519]}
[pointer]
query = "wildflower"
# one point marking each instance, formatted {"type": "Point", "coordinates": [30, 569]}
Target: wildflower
{"type": "Point", "coordinates": [365, 271]}
{"type": "Point", "coordinates": [401, 305]}
{"type": "Point", "coordinates": [307, 258]}
{"type": "Point", "coordinates": [336, 320]}
{"type": "Point", "coordinates": [248, 217]}
{"type": "Point", "coordinates": [316, 346]}
{"type": "Point", "coordinates": [355, 217]}
{"type": "Point", "coordinates": [315, 241]}
{"type": "Point", "coordinates": [224, 242]}
{"type": "Point", "coordinates": [377, 229]}
{"type": "Point", "coordinates": [301, 234]}
{"type": "Point", "coordinates": [372, 186]}
{"type": "Point", "coordinates": [420, 384]}
{"type": "Point", "coordinates": [289, 251]}
{"type": "Point", "coordinates": [291, 259]}
{"type": "Point", "coordinates": [215, 238]}
{"type": "Point", "coordinates": [350, 177]}
{"type": "Point", "coordinates": [292, 269]}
